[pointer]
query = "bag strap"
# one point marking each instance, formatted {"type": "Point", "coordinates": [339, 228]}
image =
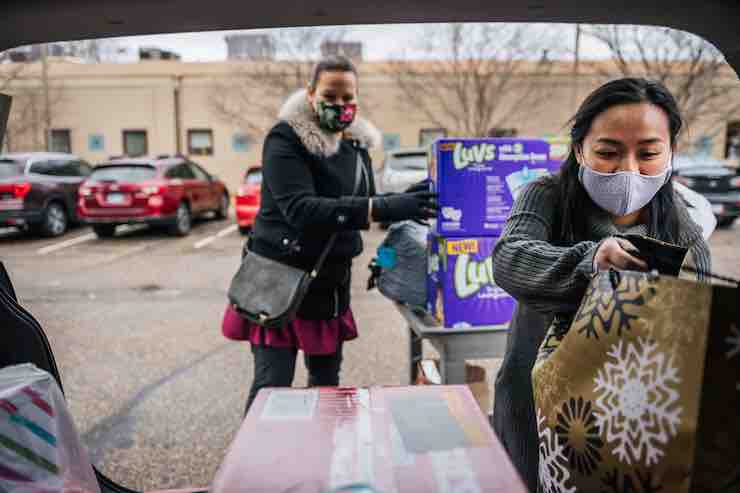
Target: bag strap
{"type": "Point", "coordinates": [359, 174]}
{"type": "Point", "coordinates": [712, 275]}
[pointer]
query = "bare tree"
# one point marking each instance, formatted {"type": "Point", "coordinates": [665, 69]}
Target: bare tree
{"type": "Point", "coordinates": [251, 95]}
{"type": "Point", "coordinates": [28, 120]}
{"type": "Point", "coordinates": [695, 71]}
{"type": "Point", "coordinates": [473, 78]}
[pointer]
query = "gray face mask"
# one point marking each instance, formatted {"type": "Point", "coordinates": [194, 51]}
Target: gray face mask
{"type": "Point", "coordinates": [623, 192]}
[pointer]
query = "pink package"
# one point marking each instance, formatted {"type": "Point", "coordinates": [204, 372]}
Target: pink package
{"type": "Point", "coordinates": [379, 439]}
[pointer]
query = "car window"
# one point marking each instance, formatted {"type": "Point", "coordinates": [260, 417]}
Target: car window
{"type": "Point", "coordinates": [125, 173]}
{"type": "Point", "coordinates": [66, 168]}
{"type": "Point", "coordinates": [254, 177]}
{"type": "Point", "coordinates": [186, 172]}
{"type": "Point", "coordinates": [10, 168]}
{"type": "Point", "coordinates": [173, 172]}
{"type": "Point", "coordinates": [84, 168]}
{"type": "Point", "coordinates": [407, 162]}
{"type": "Point", "coordinates": [199, 173]}
{"type": "Point", "coordinates": [48, 168]}
{"type": "Point", "coordinates": [180, 171]}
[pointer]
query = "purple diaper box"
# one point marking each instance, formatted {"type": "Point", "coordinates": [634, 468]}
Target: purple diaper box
{"type": "Point", "coordinates": [479, 179]}
{"type": "Point", "coordinates": [461, 292]}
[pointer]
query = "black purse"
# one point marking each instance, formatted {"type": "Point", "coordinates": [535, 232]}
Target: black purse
{"type": "Point", "coordinates": [268, 292]}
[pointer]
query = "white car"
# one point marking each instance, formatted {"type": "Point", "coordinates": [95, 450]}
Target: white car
{"type": "Point", "coordinates": [401, 169]}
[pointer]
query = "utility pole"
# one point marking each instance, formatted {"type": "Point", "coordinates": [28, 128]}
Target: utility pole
{"type": "Point", "coordinates": [47, 103]}
{"type": "Point", "coordinates": [177, 93]}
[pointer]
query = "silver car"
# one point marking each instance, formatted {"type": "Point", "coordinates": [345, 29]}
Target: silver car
{"type": "Point", "coordinates": [401, 169]}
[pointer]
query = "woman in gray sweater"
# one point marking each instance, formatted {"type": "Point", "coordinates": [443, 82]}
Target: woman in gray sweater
{"type": "Point", "coordinates": [615, 180]}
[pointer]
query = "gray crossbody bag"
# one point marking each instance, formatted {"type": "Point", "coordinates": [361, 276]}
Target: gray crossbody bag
{"type": "Point", "coordinates": [268, 292]}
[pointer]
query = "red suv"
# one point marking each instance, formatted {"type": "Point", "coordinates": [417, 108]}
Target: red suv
{"type": "Point", "coordinates": [166, 191]}
{"type": "Point", "coordinates": [248, 199]}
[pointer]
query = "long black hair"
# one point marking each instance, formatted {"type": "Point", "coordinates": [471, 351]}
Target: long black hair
{"type": "Point", "coordinates": [574, 200]}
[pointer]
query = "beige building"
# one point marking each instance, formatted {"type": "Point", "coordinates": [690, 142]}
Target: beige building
{"type": "Point", "coordinates": [165, 107]}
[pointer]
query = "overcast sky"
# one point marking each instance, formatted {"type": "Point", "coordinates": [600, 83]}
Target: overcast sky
{"type": "Point", "coordinates": [379, 42]}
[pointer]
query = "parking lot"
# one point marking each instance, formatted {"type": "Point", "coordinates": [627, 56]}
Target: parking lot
{"type": "Point", "coordinates": [156, 391]}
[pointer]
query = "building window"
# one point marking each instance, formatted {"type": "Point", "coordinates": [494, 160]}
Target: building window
{"type": "Point", "coordinates": [135, 143]}
{"type": "Point", "coordinates": [502, 132]}
{"type": "Point", "coordinates": [61, 141]}
{"type": "Point", "coordinates": [429, 135]}
{"type": "Point", "coordinates": [200, 142]}
{"type": "Point", "coordinates": [732, 141]}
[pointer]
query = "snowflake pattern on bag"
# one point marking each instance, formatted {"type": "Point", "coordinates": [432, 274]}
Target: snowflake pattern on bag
{"type": "Point", "coordinates": [554, 470]}
{"type": "Point", "coordinates": [580, 435]}
{"type": "Point", "coordinates": [734, 343]}
{"type": "Point", "coordinates": [606, 308]}
{"type": "Point", "coordinates": [637, 409]}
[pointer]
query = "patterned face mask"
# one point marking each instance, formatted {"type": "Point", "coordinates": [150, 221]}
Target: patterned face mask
{"type": "Point", "coordinates": [335, 117]}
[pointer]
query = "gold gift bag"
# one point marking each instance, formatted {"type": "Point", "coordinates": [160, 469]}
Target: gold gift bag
{"type": "Point", "coordinates": [640, 391]}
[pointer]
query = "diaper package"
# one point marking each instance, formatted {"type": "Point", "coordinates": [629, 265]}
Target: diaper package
{"type": "Point", "coordinates": [461, 291]}
{"type": "Point", "coordinates": [478, 180]}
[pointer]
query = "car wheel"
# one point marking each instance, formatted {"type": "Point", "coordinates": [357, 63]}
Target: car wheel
{"type": "Point", "coordinates": [183, 221]}
{"type": "Point", "coordinates": [54, 220]}
{"type": "Point", "coordinates": [244, 230]}
{"type": "Point", "coordinates": [105, 230]}
{"type": "Point", "coordinates": [223, 208]}
{"type": "Point", "coordinates": [725, 222]}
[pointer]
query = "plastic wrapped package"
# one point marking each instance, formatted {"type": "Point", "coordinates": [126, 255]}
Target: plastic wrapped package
{"type": "Point", "coordinates": [402, 263]}
{"type": "Point", "coordinates": [40, 450]}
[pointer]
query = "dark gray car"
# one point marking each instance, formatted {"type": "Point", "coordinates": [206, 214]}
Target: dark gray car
{"type": "Point", "coordinates": [38, 190]}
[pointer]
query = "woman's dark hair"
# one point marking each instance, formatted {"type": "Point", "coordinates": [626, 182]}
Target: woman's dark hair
{"type": "Point", "coordinates": [664, 222]}
{"type": "Point", "coordinates": [332, 63]}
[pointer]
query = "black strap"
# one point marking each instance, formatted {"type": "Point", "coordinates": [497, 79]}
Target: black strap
{"type": "Point", "coordinates": [359, 174]}
{"type": "Point", "coordinates": [712, 275]}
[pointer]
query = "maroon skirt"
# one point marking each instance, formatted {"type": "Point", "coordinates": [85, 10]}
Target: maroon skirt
{"type": "Point", "coordinates": [310, 336]}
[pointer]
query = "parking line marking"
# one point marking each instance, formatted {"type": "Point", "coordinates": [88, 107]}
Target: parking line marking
{"type": "Point", "coordinates": [210, 239]}
{"type": "Point", "coordinates": [67, 243]}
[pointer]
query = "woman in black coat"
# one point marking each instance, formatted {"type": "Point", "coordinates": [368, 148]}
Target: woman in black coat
{"type": "Point", "coordinates": [309, 168]}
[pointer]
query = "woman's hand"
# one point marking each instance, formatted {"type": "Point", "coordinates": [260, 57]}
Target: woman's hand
{"type": "Point", "coordinates": [618, 253]}
{"type": "Point", "coordinates": [419, 186]}
{"type": "Point", "coordinates": [402, 206]}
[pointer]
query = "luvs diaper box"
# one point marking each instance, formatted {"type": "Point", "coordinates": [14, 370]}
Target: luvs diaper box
{"type": "Point", "coordinates": [478, 180]}
{"type": "Point", "coordinates": [461, 290]}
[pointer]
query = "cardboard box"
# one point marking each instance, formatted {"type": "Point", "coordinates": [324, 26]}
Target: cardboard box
{"type": "Point", "coordinates": [479, 179]}
{"type": "Point", "coordinates": [461, 291]}
{"type": "Point", "coordinates": [475, 378]}
{"type": "Point", "coordinates": [425, 439]}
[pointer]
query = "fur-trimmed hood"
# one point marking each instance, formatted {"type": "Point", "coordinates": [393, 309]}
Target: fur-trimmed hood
{"type": "Point", "coordinates": [297, 112]}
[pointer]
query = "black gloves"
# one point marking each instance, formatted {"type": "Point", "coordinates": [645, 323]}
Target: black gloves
{"type": "Point", "coordinates": [419, 186]}
{"type": "Point", "coordinates": [402, 206]}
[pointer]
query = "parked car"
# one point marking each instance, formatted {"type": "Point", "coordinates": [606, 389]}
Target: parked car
{"type": "Point", "coordinates": [402, 168]}
{"type": "Point", "coordinates": [248, 199]}
{"type": "Point", "coordinates": [38, 190]}
{"type": "Point", "coordinates": [715, 180]}
{"type": "Point", "coordinates": [165, 191]}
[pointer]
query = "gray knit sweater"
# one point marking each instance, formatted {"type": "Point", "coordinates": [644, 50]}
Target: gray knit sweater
{"type": "Point", "coordinates": [547, 280]}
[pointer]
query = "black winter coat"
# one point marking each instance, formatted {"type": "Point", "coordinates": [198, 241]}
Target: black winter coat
{"type": "Point", "coordinates": [305, 199]}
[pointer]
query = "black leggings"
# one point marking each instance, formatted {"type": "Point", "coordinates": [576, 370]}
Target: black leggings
{"type": "Point", "coordinates": [275, 367]}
